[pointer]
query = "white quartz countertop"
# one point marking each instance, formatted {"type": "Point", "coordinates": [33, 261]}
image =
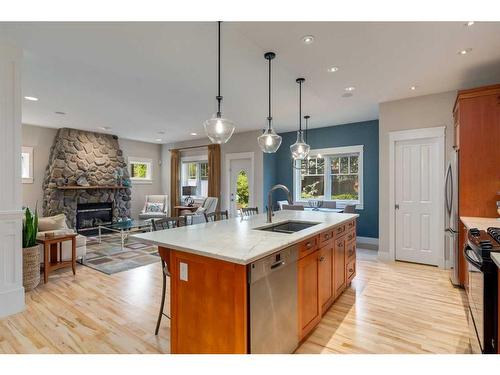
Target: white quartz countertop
{"type": "Point", "coordinates": [236, 240]}
{"type": "Point", "coordinates": [481, 223]}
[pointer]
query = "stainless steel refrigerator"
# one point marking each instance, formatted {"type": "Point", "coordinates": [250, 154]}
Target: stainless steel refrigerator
{"type": "Point", "coordinates": [451, 217]}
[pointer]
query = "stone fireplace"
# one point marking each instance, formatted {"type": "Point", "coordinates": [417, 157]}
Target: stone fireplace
{"type": "Point", "coordinates": [95, 156]}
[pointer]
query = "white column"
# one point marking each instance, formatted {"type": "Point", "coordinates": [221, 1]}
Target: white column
{"type": "Point", "coordinates": [11, 268]}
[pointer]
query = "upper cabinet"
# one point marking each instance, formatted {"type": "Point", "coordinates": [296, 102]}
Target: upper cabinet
{"type": "Point", "coordinates": [477, 125]}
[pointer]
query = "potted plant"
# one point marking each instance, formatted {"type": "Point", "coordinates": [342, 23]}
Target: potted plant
{"type": "Point", "coordinates": [31, 254]}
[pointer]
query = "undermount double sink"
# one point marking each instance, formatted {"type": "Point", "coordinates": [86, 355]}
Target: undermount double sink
{"type": "Point", "coordinates": [289, 227]}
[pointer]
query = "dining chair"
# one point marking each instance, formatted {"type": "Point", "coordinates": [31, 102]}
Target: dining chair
{"type": "Point", "coordinates": [169, 223]}
{"type": "Point", "coordinates": [293, 207]}
{"type": "Point", "coordinates": [350, 209]}
{"type": "Point", "coordinates": [164, 258]}
{"type": "Point", "coordinates": [216, 216]}
{"type": "Point", "coordinates": [249, 211]}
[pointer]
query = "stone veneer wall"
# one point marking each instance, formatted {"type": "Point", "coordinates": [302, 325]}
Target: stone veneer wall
{"type": "Point", "coordinates": [95, 155]}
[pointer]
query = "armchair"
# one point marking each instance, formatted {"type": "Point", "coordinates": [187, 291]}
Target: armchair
{"type": "Point", "coordinates": [155, 207]}
{"type": "Point", "coordinates": [209, 205]}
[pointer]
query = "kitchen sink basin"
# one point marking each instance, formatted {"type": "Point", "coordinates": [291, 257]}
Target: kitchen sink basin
{"type": "Point", "coordinates": [289, 227]}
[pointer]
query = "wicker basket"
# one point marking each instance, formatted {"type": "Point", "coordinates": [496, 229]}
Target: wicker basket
{"type": "Point", "coordinates": [31, 267]}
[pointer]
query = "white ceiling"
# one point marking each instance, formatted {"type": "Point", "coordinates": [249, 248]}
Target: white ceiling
{"type": "Point", "coordinates": [142, 78]}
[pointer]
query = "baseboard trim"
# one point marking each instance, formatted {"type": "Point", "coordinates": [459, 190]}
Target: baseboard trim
{"type": "Point", "coordinates": [367, 240]}
{"type": "Point", "coordinates": [11, 302]}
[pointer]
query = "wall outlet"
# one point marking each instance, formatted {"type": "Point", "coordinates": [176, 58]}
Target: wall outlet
{"type": "Point", "coordinates": [183, 271]}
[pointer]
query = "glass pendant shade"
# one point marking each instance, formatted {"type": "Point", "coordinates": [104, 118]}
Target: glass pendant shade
{"type": "Point", "coordinates": [269, 141]}
{"type": "Point", "coordinates": [219, 129]}
{"type": "Point", "coordinates": [300, 149]}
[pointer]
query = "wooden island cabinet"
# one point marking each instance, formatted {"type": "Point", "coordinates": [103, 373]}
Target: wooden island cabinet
{"type": "Point", "coordinates": [210, 313]}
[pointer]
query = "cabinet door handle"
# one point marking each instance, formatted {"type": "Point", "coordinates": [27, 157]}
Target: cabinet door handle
{"type": "Point", "coordinates": [321, 259]}
{"type": "Point", "coordinates": [308, 245]}
{"type": "Point", "coordinates": [327, 236]}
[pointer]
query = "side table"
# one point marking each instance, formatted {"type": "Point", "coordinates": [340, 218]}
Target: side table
{"type": "Point", "coordinates": [51, 247]}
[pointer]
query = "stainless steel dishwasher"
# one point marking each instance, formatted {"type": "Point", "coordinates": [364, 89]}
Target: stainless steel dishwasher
{"type": "Point", "coordinates": [273, 303]}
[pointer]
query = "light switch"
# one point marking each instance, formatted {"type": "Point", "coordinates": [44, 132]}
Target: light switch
{"type": "Point", "coordinates": [183, 271]}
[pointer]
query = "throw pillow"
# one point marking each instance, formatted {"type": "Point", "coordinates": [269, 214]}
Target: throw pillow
{"type": "Point", "coordinates": [52, 223]}
{"type": "Point", "coordinates": [154, 207]}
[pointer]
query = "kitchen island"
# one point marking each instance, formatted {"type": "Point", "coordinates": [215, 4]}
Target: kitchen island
{"type": "Point", "coordinates": [212, 265]}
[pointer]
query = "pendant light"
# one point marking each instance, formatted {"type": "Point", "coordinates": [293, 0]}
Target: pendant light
{"type": "Point", "coordinates": [219, 129]}
{"type": "Point", "coordinates": [269, 141]}
{"type": "Point", "coordinates": [300, 149]}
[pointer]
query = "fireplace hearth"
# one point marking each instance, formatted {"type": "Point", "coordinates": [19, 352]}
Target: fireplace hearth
{"type": "Point", "coordinates": [90, 215]}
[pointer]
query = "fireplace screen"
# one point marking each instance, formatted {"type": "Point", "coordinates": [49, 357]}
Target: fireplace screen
{"type": "Point", "coordinates": [90, 215]}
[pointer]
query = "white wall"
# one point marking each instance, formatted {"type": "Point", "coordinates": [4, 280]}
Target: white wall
{"type": "Point", "coordinates": [421, 112]}
{"type": "Point", "coordinates": [239, 142]}
{"type": "Point", "coordinates": [41, 140]}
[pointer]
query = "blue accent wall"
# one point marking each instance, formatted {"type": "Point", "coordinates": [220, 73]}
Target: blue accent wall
{"type": "Point", "coordinates": [278, 166]}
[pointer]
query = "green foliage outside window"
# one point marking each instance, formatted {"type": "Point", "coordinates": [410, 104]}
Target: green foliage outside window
{"type": "Point", "coordinates": [139, 170]}
{"type": "Point", "coordinates": [242, 193]}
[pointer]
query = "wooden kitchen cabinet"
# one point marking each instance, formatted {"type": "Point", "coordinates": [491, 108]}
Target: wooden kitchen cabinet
{"type": "Point", "coordinates": [308, 293]}
{"type": "Point", "coordinates": [325, 276]}
{"type": "Point", "coordinates": [477, 138]}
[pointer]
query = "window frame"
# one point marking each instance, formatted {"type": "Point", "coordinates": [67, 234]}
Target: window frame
{"type": "Point", "coordinates": [149, 170]}
{"type": "Point", "coordinates": [27, 150]}
{"type": "Point", "coordinates": [200, 159]}
{"type": "Point", "coordinates": [328, 154]}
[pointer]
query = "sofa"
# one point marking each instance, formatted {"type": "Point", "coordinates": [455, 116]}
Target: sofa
{"type": "Point", "coordinates": [58, 226]}
{"type": "Point", "coordinates": [155, 207]}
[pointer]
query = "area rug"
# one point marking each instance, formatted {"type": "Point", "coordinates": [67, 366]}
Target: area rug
{"type": "Point", "coordinates": [109, 258]}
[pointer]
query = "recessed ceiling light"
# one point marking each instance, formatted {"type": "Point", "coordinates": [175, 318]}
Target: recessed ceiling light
{"type": "Point", "coordinates": [59, 113]}
{"type": "Point", "coordinates": [333, 69]}
{"type": "Point", "coordinates": [158, 139]}
{"type": "Point", "coordinates": [193, 133]}
{"type": "Point", "coordinates": [347, 94]}
{"type": "Point", "coordinates": [464, 51]}
{"type": "Point", "coordinates": [31, 98]}
{"type": "Point", "coordinates": [105, 127]}
{"type": "Point", "coordinates": [413, 88]}
{"type": "Point", "coordinates": [350, 88]}
{"type": "Point", "coordinates": [308, 39]}
{"type": "Point", "coordinates": [469, 24]}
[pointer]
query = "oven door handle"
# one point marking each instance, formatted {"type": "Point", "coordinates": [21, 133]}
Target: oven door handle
{"type": "Point", "coordinates": [469, 259]}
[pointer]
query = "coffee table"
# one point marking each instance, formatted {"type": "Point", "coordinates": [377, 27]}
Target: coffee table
{"type": "Point", "coordinates": [125, 227]}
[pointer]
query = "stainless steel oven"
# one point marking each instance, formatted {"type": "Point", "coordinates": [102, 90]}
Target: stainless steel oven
{"type": "Point", "coordinates": [475, 298]}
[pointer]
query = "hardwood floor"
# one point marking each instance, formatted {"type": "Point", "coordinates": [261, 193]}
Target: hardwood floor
{"type": "Point", "coordinates": [390, 308]}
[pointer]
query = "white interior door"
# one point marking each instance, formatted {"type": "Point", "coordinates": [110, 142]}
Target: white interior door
{"type": "Point", "coordinates": [417, 184]}
{"type": "Point", "coordinates": [241, 169]}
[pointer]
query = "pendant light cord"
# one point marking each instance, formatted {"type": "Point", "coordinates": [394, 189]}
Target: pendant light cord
{"type": "Point", "coordinates": [218, 97]}
{"type": "Point", "coordinates": [269, 118]}
{"type": "Point", "coordinates": [300, 107]}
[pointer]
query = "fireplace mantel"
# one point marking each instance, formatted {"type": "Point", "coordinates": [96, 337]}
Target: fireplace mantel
{"type": "Point", "coordinates": [78, 187]}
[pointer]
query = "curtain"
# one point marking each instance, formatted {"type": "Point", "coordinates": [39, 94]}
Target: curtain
{"type": "Point", "coordinates": [174, 180]}
{"type": "Point", "coordinates": [214, 171]}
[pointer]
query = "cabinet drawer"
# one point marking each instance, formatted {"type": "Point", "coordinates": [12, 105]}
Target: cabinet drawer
{"type": "Point", "coordinates": [339, 231]}
{"type": "Point", "coordinates": [350, 236]}
{"type": "Point", "coordinates": [351, 250]}
{"type": "Point", "coordinates": [308, 246]}
{"type": "Point", "coordinates": [351, 225]}
{"type": "Point", "coordinates": [350, 269]}
{"type": "Point", "coordinates": [326, 236]}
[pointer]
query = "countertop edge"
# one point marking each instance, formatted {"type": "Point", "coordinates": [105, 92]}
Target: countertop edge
{"type": "Point", "coordinates": [239, 260]}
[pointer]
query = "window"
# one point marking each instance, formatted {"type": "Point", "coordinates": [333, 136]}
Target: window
{"type": "Point", "coordinates": [195, 173]}
{"type": "Point", "coordinates": [27, 165]}
{"type": "Point", "coordinates": [140, 170]}
{"type": "Point", "coordinates": [333, 174]}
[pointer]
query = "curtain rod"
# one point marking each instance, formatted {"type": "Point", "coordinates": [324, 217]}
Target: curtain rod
{"type": "Point", "coordinates": [187, 148]}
